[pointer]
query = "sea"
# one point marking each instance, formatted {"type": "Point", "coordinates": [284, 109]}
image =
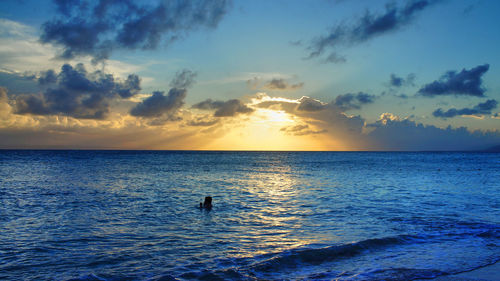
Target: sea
{"type": "Point", "coordinates": [134, 215]}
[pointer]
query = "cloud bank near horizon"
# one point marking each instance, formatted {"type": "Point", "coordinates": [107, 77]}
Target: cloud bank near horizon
{"type": "Point", "coordinates": [313, 119]}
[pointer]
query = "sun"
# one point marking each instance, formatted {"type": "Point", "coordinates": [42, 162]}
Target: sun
{"type": "Point", "coordinates": [275, 117]}
{"type": "Point", "coordinates": [262, 131]}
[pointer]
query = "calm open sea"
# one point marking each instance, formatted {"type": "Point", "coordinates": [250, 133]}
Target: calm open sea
{"type": "Point", "coordinates": [130, 215]}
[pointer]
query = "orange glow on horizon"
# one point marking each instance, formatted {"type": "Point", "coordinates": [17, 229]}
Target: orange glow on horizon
{"type": "Point", "coordinates": [262, 131]}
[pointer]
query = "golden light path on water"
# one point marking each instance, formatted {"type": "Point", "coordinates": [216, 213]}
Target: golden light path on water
{"type": "Point", "coordinates": [274, 218]}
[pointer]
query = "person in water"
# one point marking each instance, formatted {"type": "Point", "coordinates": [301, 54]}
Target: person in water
{"type": "Point", "coordinates": [207, 204]}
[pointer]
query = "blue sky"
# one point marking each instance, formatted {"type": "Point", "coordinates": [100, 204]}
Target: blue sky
{"type": "Point", "coordinates": [238, 55]}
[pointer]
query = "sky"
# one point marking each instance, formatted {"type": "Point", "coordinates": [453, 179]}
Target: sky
{"type": "Point", "coordinates": [335, 75]}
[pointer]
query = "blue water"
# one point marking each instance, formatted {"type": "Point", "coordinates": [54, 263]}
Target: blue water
{"type": "Point", "coordinates": [109, 215]}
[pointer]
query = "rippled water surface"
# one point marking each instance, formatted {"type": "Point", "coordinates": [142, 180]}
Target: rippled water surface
{"type": "Point", "coordinates": [109, 215]}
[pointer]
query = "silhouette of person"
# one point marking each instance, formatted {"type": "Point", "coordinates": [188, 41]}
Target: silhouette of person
{"type": "Point", "coordinates": [208, 203]}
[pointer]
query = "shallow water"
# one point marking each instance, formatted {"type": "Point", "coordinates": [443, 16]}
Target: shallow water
{"type": "Point", "coordinates": [130, 215]}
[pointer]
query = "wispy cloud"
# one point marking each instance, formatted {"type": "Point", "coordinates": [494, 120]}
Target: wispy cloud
{"type": "Point", "coordinates": [398, 82]}
{"type": "Point", "coordinates": [481, 108]}
{"type": "Point", "coordinates": [281, 84]}
{"type": "Point", "coordinates": [366, 28]}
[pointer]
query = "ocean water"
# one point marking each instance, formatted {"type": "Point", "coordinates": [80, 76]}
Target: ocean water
{"type": "Point", "coordinates": [132, 215]}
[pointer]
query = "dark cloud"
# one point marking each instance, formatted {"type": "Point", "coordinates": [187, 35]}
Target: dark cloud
{"type": "Point", "coordinates": [183, 79]}
{"type": "Point", "coordinates": [130, 87]}
{"type": "Point", "coordinates": [47, 77]}
{"type": "Point", "coordinates": [224, 108]}
{"type": "Point", "coordinates": [464, 83]}
{"type": "Point", "coordinates": [203, 121]}
{"type": "Point", "coordinates": [96, 28]}
{"type": "Point", "coordinates": [397, 82]}
{"type": "Point", "coordinates": [353, 101]}
{"type": "Point", "coordinates": [281, 84]}
{"type": "Point", "coordinates": [310, 104]}
{"type": "Point", "coordinates": [392, 133]}
{"type": "Point", "coordinates": [482, 108]}
{"type": "Point", "coordinates": [367, 27]}
{"type": "Point", "coordinates": [77, 93]}
{"type": "Point", "coordinates": [301, 130]}
{"type": "Point", "coordinates": [160, 104]}
{"type": "Point", "coordinates": [164, 108]}
{"type": "Point", "coordinates": [66, 7]}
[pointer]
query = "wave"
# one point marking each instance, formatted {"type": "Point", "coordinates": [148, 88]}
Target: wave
{"type": "Point", "coordinates": [295, 258]}
{"type": "Point", "coordinates": [319, 263]}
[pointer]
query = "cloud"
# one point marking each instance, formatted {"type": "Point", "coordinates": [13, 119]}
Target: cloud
{"type": "Point", "coordinates": [310, 104]}
{"type": "Point", "coordinates": [5, 108]}
{"type": "Point", "coordinates": [390, 132]}
{"type": "Point", "coordinates": [183, 79]}
{"type": "Point", "coordinates": [3, 95]}
{"type": "Point", "coordinates": [203, 121]}
{"type": "Point", "coordinates": [394, 133]}
{"type": "Point", "coordinates": [47, 77]}
{"type": "Point", "coordinates": [164, 108]}
{"type": "Point", "coordinates": [330, 126]}
{"type": "Point", "coordinates": [224, 108]}
{"type": "Point", "coordinates": [398, 82]}
{"type": "Point", "coordinates": [324, 116]}
{"type": "Point", "coordinates": [301, 130]}
{"type": "Point", "coordinates": [464, 83]}
{"type": "Point", "coordinates": [334, 58]}
{"type": "Point", "coordinates": [273, 84]}
{"type": "Point", "coordinates": [12, 29]}
{"type": "Point", "coordinates": [282, 85]}
{"type": "Point", "coordinates": [482, 108]}
{"type": "Point", "coordinates": [160, 104]}
{"type": "Point", "coordinates": [366, 28]}
{"type": "Point", "coordinates": [22, 53]}
{"type": "Point", "coordinates": [96, 29]}
{"type": "Point", "coordinates": [353, 101]}
{"type": "Point", "coordinates": [117, 132]}
{"type": "Point", "coordinates": [77, 93]}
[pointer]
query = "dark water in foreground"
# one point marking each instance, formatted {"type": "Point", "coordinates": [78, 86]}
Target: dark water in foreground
{"type": "Point", "coordinates": [107, 215]}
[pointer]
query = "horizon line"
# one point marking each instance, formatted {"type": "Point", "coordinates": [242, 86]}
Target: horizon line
{"type": "Point", "coordinates": [490, 150]}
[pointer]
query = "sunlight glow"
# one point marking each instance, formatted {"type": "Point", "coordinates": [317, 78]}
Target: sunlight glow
{"type": "Point", "coordinates": [270, 115]}
{"type": "Point", "coordinates": [262, 131]}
